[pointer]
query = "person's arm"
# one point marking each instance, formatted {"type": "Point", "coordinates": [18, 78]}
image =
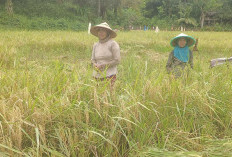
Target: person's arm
{"type": "Point", "coordinates": [191, 59]}
{"type": "Point", "coordinates": [93, 60]}
{"type": "Point", "coordinates": [115, 49]}
{"type": "Point", "coordinates": [169, 62]}
{"type": "Point", "coordinates": [97, 67]}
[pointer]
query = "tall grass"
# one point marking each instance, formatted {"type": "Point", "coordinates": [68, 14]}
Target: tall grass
{"type": "Point", "coordinates": [51, 106]}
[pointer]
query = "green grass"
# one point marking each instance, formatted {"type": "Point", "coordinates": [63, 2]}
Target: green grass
{"type": "Point", "coordinates": [51, 106]}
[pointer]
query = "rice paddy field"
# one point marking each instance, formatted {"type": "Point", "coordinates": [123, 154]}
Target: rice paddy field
{"type": "Point", "coordinates": [51, 106]}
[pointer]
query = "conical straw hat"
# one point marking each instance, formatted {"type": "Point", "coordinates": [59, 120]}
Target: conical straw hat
{"type": "Point", "coordinates": [94, 30]}
{"type": "Point", "coordinates": [190, 40]}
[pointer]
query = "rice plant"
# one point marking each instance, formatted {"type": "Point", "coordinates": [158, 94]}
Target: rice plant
{"type": "Point", "coordinates": [51, 106]}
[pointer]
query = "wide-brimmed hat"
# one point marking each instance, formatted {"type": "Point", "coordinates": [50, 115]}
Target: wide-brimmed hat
{"type": "Point", "coordinates": [190, 40]}
{"type": "Point", "coordinates": [94, 30]}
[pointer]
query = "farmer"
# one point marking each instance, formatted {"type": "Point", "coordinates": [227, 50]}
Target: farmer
{"type": "Point", "coordinates": [181, 56]}
{"type": "Point", "coordinates": [105, 54]}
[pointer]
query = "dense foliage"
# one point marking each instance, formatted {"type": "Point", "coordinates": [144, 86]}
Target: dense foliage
{"type": "Point", "coordinates": [76, 14]}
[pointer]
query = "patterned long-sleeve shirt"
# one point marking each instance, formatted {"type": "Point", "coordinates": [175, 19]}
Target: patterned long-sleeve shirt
{"type": "Point", "coordinates": [176, 66]}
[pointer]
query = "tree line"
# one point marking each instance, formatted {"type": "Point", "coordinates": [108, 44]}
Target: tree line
{"type": "Point", "coordinates": [187, 13]}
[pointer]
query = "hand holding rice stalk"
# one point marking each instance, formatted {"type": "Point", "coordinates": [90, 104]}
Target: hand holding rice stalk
{"type": "Point", "coordinates": [195, 48]}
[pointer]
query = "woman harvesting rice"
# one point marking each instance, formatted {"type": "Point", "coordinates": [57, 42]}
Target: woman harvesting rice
{"type": "Point", "coordinates": [181, 55]}
{"type": "Point", "coordinates": [105, 54]}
